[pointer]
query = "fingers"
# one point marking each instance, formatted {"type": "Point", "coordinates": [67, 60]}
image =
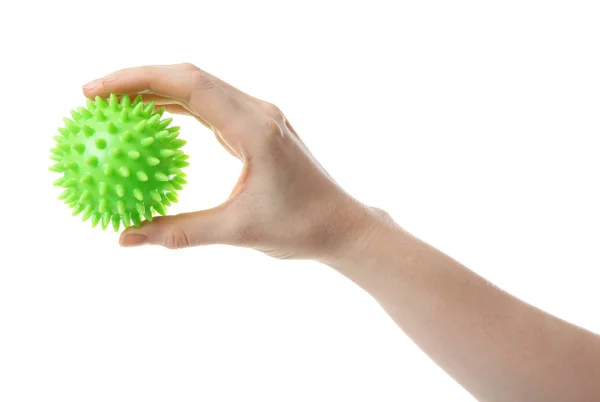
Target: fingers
{"type": "Point", "coordinates": [216, 102]}
{"type": "Point", "coordinates": [181, 231]}
{"type": "Point", "coordinates": [169, 82]}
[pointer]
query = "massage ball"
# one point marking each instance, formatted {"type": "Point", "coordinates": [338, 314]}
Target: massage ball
{"type": "Point", "coordinates": [119, 161]}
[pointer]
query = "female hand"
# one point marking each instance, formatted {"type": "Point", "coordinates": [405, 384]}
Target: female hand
{"type": "Point", "coordinates": [284, 203]}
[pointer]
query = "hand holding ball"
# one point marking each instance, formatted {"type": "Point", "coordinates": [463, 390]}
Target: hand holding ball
{"type": "Point", "coordinates": [119, 161]}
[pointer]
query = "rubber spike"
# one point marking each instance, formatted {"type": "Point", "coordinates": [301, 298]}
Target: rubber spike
{"type": "Point", "coordinates": [78, 209]}
{"type": "Point", "coordinates": [92, 161]}
{"type": "Point", "coordinates": [59, 182]}
{"type": "Point", "coordinates": [120, 190]}
{"type": "Point", "coordinates": [87, 130]}
{"type": "Point", "coordinates": [102, 188]}
{"type": "Point", "coordinates": [138, 99]}
{"type": "Point", "coordinates": [155, 195]}
{"type": "Point", "coordinates": [177, 143]}
{"type": "Point", "coordinates": [166, 201]}
{"type": "Point", "coordinates": [161, 176]}
{"type": "Point", "coordinates": [165, 153]}
{"type": "Point", "coordinates": [100, 143]}
{"type": "Point", "coordinates": [180, 164]}
{"type": "Point", "coordinates": [160, 209]}
{"type": "Point", "coordinates": [180, 180]}
{"type": "Point", "coordinates": [148, 214]}
{"type": "Point", "coordinates": [167, 187]}
{"type": "Point", "coordinates": [84, 113]}
{"type": "Point", "coordinates": [161, 135]}
{"type": "Point", "coordinates": [125, 101]}
{"type": "Point", "coordinates": [87, 212]}
{"type": "Point", "coordinates": [111, 128]}
{"type": "Point", "coordinates": [64, 194]}
{"type": "Point", "coordinates": [87, 178]}
{"type": "Point", "coordinates": [163, 123]}
{"type": "Point", "coordinates": [137, 110]}
{"type": "Point", "coordinates": [105, 219]}
{"type": "Point", "coordinates": [153, 120]}
{"type": "Point", "coordinates": [91, 105]}
{"type": "Point", "coordinates": [113, 102]}
{"type": "Point", "coordinates": [116, 153]}
{"type": "Point", "coordinates": [79, 148]}
{"type": "Point", "coordinates": [126, 219]}
{"type": "Point", "coordinates": [140, 208]}
{"type": "Point", "coordinates": [142, 176]}
{"type": "Point", "coordinates": [69, 183]}
{"type": "Point", "coordinates": [71, 165]}
{"type": "Point", "coordinates": [172, 197]}
{"type": "Point", "coordinates": [127, 136]}
{"type": "Point", "coordinates": [120, 207]}
{"type": "Point", "coordinates": [102, 205]}
{"type": "Point", "coordinates": [71, 125]}
{"type": "Point", "coordinates": [100, 116]}
{"type": "Point", "coordinates": [138, 194]}
{"type": "Point", "coordinates": [64, 131]}
{"type": "Point", "coordinates": [95, 219]}
{"type": "Point", "coordinates": [148, 141]}
{"type": "Point", "coordinates": [148, 109]}
{"type": "Point", "coordinates": [124, 116]}
{"type": "Point", "coordinates": [133, 155]}
{"type": "Point", "coordinates": [141, 126]}
{"type": "Point", "coordinates": [85, 197]}
{"type": "Point", "coordinates": [100, 102]}
{"type": "Point", "coordinates": [72, 197]}
{"type": "Point", "coordinates": [152, 161]}
{"type": "Point", "coordinates": [76, 115]}
{"type": "Point", "coordinates": [116, 222]}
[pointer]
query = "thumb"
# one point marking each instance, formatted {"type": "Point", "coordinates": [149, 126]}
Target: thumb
{"type": "Point", "coordinates": [179, 231]}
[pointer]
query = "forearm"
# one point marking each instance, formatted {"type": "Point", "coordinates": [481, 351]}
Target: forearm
{"type": "Point", "coordinates": [498, 347]}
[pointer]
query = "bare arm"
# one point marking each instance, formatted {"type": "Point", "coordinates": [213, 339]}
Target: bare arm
{"type": "Point", "coordinates": [287, 206]}
{"type": "Point", "coordinates": [496, 346]}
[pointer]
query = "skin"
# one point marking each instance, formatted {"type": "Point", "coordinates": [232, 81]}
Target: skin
{"type": "Point", "coordinates": [288, 207]}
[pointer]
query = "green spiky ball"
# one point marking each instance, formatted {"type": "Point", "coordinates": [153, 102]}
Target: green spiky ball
{"type": "Point", "coordinates": [119, 161]}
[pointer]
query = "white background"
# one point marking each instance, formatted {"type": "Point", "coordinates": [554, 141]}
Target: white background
{"type": "Point", "coordinates": [474, 123]}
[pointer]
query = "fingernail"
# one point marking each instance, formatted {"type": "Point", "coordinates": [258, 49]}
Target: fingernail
{"type": "Point", "coordinates": [93, 84]}
{"type": "Point", "coordinates": [133, 239]}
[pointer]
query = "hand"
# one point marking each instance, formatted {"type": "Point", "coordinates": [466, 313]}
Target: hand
{"type": "Point", "coordinates": [284, 203]}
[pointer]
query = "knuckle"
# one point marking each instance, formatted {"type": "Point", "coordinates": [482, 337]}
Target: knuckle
{"type": "Point", "coordinates": [271, 129]}
{"type": "Point", "coordinates": [272, 136]}
{"type": "Point", "coordinates": [188, 66]}
{"type": "Point", "coordinates": [272, 111]}
{"type": "Point", "coordinates": [175, 238]}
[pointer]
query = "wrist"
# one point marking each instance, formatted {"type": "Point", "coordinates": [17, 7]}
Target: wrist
{"type": "Point", "coordinates": [362, 232]}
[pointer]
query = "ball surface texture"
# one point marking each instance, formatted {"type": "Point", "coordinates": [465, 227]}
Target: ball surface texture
{"type": "Point", "coordinates": [120, 161]}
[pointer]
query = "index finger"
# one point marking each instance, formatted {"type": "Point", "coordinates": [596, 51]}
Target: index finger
{"type": "Point", "coordinates": [212, 100]}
